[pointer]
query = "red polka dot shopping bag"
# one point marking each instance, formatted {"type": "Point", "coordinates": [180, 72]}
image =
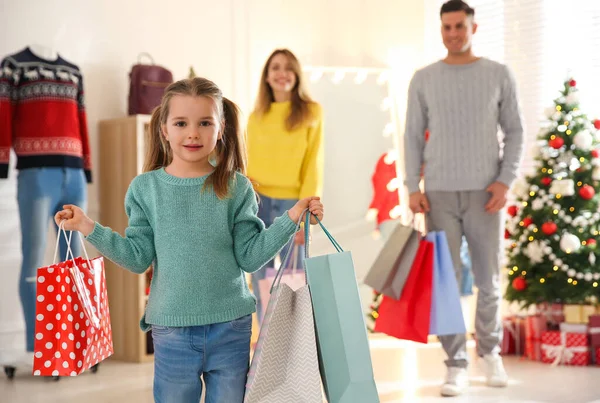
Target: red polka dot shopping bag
{"type": "Point", "coordinates": [72, 328]}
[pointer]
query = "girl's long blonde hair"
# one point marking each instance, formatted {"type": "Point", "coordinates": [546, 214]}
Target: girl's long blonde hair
{"type": "Point", "coordinates": [230, 151]}
{"type": "Point", "coordinates": [300, 112]}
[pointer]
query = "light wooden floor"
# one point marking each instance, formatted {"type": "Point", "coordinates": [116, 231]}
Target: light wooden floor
{"type": "Point", "coordinates": [405, 372]}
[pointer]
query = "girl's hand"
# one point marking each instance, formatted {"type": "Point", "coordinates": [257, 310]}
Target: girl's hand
{"type": "Point", "coordinates": [313, 204]}
{"type": "Point", "coordinates": [75, 220]}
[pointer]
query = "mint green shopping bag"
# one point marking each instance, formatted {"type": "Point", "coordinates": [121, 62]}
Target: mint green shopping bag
{"type": "Point", "coordinates": [343, 347]}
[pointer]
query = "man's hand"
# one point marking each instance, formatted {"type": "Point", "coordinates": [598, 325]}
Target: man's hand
{"type": "Point", "coordinates": [498, 198]}
{"type": "Point", "coordinates": [418, 203]}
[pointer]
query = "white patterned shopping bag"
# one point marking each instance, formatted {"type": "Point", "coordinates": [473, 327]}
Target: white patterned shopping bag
{"type": "Point", "coordinates": [285, 366]}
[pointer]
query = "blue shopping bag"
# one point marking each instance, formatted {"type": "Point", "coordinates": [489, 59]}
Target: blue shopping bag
{"type": "Point", "coordinates": [343, 347]}
{"type": "Point", "coordinates": [446, 311]}
{"type": "Point", "coordinates": [466, 285]}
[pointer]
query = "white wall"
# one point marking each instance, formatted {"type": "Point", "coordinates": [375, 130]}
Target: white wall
{"type": "Point", "coordinates": [226, 41]}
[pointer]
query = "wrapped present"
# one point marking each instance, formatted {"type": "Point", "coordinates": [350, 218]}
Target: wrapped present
{"type": "Point", "coordinates": [535, 325]}
{"type": "Point", "coordinates": [574, 314]}
{"type": "Point", "coordinates": [579, 328]}
{"type": "Point", "coordinates": [557, 314]}
{"type": "Point", "coordinates": [586, 312]}
{"type": "Point", "coordinates": [594, 331]}
{"type": "Point", "coordinates": [565, 348]}
{"type": "Point", "coordinates": [513, 339]}
{"type": "Point", "coordinates": [554, 313]}
{"type": "Point", "coordinates": [579, 313]}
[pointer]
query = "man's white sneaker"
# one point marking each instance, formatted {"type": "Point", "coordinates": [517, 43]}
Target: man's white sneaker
{"type": "Point", "coordinates": [494, 371]}
{"type": "Point", "coordinates": [457, 380]}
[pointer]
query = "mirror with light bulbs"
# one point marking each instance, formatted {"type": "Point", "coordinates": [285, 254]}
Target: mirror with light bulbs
{"type": "Point", "coordinates": [360, 125]}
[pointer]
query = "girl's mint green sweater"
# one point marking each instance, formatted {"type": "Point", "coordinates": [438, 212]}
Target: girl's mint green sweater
{"type": "Point", "coordinates": [200, 247]}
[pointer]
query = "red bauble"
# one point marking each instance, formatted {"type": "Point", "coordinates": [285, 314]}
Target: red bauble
{"type": "Point", "coordinates": [572, 83]}
{"type": "Point", "coordinates": [519, 284]}
{"type": "Point", "coordinates": [597, 124]}
{"type": "Point", "coordinates": [586, 192]}
{"type": "Point", "coordinates": [546, 181]}
{"type": "Point", "coordinates": [527, 222]}
{"type": "Point", "coordinates": [556, 143]}
{"type": "Point", "coordinates": [506, 234]}
{"type": "Point", "coordinates": [549, 228]}
{"type": "Point", "coordinates": [591, 242]}
{"type": "Point", "coordinates": [512, 210]}
{"type": "Point", "coordinates": [596, 153]}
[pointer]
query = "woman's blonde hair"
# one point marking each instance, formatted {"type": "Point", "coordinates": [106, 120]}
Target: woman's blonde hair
{"type": "Point", "coordinates": [300, 112]}
{"type": "Point", "coordinates": [230, 151]}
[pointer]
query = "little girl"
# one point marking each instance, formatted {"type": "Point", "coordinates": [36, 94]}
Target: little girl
{"type": "Point", "coordinates": [193, 216]}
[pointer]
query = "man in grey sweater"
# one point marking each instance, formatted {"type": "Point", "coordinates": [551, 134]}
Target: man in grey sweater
{"type": "Point", "coordinates": [468, 168]}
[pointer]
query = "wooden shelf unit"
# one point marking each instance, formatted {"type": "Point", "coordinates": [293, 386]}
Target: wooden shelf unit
{"type": "Point", "coordinates": [122, 150]}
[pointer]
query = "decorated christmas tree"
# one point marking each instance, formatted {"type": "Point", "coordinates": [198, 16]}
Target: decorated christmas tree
{"type": "Point", "coordinates": [553, 229]}
{"type": "Point", "coordinates": [374, 311]}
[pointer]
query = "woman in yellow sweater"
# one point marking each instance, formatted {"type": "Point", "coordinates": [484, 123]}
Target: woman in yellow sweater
{"type": "Point", "coordinates": [285, 145]}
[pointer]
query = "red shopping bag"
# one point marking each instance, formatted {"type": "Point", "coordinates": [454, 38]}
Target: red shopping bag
{"type": "Point", "coordinates": [408, 317]}
{"type": "Point", "coordinates": [72, 329]}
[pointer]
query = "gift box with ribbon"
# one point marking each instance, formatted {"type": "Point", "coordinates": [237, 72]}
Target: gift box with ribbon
{"type": "Point", "coordinates": [565, 348]}
{"type": "Point", "coordinates": [594, 331]}
{"type": "Point", "coordinates": [579, 328]}
{"type": "Point", "coordinates": [535, 325]}
{"type": "Point", "coordinates": [554, 314]}
{"type": "Point", "coordinates": [513, 339]}
{"type": "Point", "coordinates": [587, 312]}
{"type": "Point", "coordinates": [573, 313]}
{"type": "Point", "coordinates": [578, 313]}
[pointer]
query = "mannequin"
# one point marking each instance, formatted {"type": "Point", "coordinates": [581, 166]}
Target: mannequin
{"type": "Point", "coordinates": [44, 52]}
{"type": "Point", "coordinates": [52, 172]}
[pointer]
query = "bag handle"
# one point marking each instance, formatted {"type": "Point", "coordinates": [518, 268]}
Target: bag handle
{"type": "Point", "coordinates": [55, 258]}
{"type": "Point", "coordinates": [75, 272]}
{"type": "Point", "coordinates": [413, 223]}
{"type": "Point", "coordinates": [147, 55]}
{"type": "Point", "coordinates": [336, 245]}
{"type": "Point", "coordinates": [294, 260]}
{"type": "Point", "coordinates": [292, 246]}
{"type": "Point", "coordinates": [61, 228]}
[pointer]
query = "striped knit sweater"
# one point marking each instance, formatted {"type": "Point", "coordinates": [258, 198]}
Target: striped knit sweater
{"type": "Point", "coordinates": [42, 114]}
{"type": "Point", "coordinates": [463, 106]}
